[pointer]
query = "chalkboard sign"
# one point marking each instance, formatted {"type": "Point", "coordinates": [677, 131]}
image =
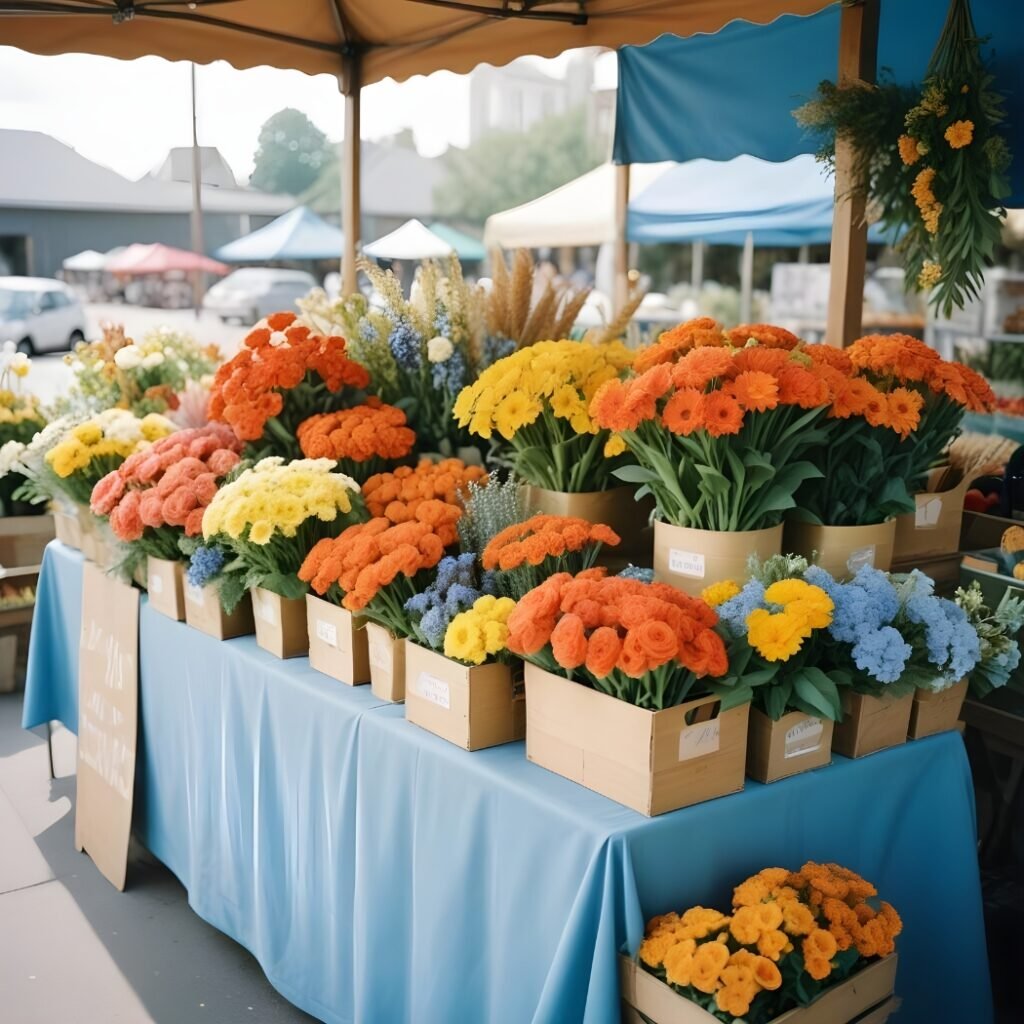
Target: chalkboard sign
{"type": "Point", "coordinates": [108, 700]}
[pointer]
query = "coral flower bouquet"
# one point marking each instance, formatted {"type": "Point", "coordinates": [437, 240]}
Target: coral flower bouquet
{"type": "Point", "coordinates": [629, 674]}
{"type": "Point", "coordinates": [790, 935]}
{"type": "Point", "coordinates": [283, 374]}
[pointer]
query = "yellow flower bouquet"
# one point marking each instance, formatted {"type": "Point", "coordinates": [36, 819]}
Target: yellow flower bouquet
{"type": "Point", "coordinates": [790, 936]}
{"type": "Point", "coordinates": [20, 419]}
{"type": "Point", "coordinates": [481, 633]}
{"type": "Point", "coordinates": [537, 400]}
{"type": "Point", "coordinates": [88, 451]}
{"type": "Point", "coordinates": [272, 514]}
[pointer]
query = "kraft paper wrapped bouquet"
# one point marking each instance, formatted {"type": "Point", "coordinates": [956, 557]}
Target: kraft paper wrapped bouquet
{"type": "Point", "coordinates": [789, 937]}
{"type": "Point", "coordinates": [283, 374]}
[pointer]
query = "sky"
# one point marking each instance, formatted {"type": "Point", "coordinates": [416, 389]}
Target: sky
{"type": "Point", "coordinates": [128, 114]}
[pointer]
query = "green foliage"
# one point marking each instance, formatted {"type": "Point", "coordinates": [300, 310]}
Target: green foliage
{"type": "Point", "coordinates": [505, 169]}
{"type": "Point", "coordinates": [291, 153]}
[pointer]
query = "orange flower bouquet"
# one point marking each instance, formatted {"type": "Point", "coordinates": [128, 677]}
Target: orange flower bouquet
{"type": "Point", "coordinates": [900, 409]}
{"type": "Point", "coordinates": [645, 643]}
{"type": "Point", "coordinates": [398, 494]}
{"type": "Point", "coordinates": [362, 440]}
{"type": "Point", "coordinates": [282, 375]}
{"type": "Point", "coordinates": [790, 936]}
{"type": "Point", "coordinates": [525, 554]}
{"type": "Point", "coordinates": [374, 568]}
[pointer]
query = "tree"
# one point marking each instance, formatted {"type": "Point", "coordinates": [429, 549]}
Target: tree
{"type": "Point", "coordinates": [508, 168]}
{"type": "Point", "coordinates": [291, 153]}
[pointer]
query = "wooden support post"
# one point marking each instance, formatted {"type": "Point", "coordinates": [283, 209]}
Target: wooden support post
{"type": "Point", "coordinates": [697, 266]}
{"type": "Point", "coordinates": [621, 296]}
{"type": "Point", "coordinates": [747, 279]}
{"type": "Point", "coordinates": [858, 51]}
{"type": "Point", "coordinates": [351, 84]}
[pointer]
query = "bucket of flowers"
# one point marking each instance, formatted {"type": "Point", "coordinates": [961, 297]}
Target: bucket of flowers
{"type": "Point", "coordinates": [21, 418]}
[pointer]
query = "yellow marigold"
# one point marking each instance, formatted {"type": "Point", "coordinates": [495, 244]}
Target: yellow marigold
{"type": "Point", "coordinates": [924, 196]}
{"type": "Point", "coordinates": [818, 967]}
{"type": "Point", "coordinates": [776, 637]}
{"type": "Point", "coordinates": [820, 943]}
{"type": "Point", "coordinates": [678, 962]}
{"type": "Point", "coordinates": [772, 943]}
{"type": "Point", "coordinates": [959, 134]}
{"type": "Point", "coordinates": [745, 926]}
{"type": "Point", "coordinates": [719, 593]}
{"type": "Point", "coordinates": [708, 962]}
{"type": "Point", "coordinates": [655, 947]}
{"type": "Point", "coordinates": [930, 275]}
{"type": "Point", "coordinates": [797, 918]}
{"type": "Point", "coordinates": [908, 150]}
{"type": "Point", "coordinates": [615, 445]}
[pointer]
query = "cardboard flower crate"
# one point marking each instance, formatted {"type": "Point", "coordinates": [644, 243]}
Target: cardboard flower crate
{"type": "Point", "coordinates": [842, 550]}
{"type": "Point", "coordinates": [871, 723]}
{"type": "Point", "coordinates": [472, 706]}
{"type": "Point", "coordinates": [864, 998]}
{"type": "Point", "coordinates": [387, 663]}
{"type": "Point", "coordinates": [68, 527]}
{"type": "Point", "coordinates": [652, 761]}
{"type": "Point", "coordinates": [165, 584]}
{"type": "Point", "coordinates": [933, 528]}
{"type": "Point", "coordinates": [23, 540]}
{"type": "Point", "coordinates": [280, 623]}
{"type": "Point", "coordinates": [338, 644]}
{"type": "Point", "coordinates": [931, 712]}
{"type": "Point", "coordinates": [795, 743]}
{"type": "Point", "coordinates": [693, 559]}
{"type": "Point", "coordinates": [203, 611]}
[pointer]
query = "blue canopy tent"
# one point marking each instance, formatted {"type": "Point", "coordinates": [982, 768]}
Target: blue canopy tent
{"type": "Point", "coordinates": [467, 248]}
{"type": "Point", "coordinates": [719, 96]}
{"type": "Point", "coordinates": [297, 235]}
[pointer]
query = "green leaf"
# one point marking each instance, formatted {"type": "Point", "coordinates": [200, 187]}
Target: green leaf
{"type": "Point", "coordinates": [636, 474]}
{"type": "Point", "coordinates": [712, 482]}
{"type": "Point", "coordinates": [732, 696]}
{"type": "Point", "coordinates": [286, 585]}
{"type": "Point", "coordinates": [808, 686]}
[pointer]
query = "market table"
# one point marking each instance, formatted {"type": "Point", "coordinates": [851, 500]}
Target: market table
{"type": "Point", "coordinates": [379, 873]}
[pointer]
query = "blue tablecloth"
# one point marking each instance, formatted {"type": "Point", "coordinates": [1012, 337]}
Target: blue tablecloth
{"type": "Point", "coordinates": [380, 874]}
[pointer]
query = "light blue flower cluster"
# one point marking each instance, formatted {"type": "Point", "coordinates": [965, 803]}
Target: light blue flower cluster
{"type": "Point", "coordinates": [455, 590]}
{"type": "Point", "coordinates": [451, 374]}
{"type": "Point", "coordinates": [882, 653]}
{"type": "Point", "coordinates": [734, 612]}
{"type": "Point", "coordinates": [406, 344]}
{"type": "Point", "coordinates": [952, 641]}
{"type": "Point", "coordinates": [496, 347]}
{"type": "Point", "coordinates": [863, 605]}
{"type": "Point", "coordinates": [204, 565]}
{"type": "Point", "coordinates": [637, 572]}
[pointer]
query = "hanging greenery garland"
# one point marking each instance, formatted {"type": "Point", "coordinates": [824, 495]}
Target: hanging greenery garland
{"type": "Point", "coordinates": [932, 160]}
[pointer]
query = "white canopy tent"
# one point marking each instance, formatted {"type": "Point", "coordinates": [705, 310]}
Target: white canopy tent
{"type": "Point", "coordinates": [412, 241]}
{"type": "Point", "coordinates": [581, 212]}
{"type": "Point", "coordinates": [86, 261]}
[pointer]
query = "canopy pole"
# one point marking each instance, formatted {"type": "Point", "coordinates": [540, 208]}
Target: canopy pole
{"type": "Point", "coordinates": [858, 53]}
{"type": "Point", "coordinates": [351, 86]}
{"type": "Point", "coordinates": [747, 279]}
{"type": "Point", "coordinates": [697, 266]}
{"type": "Point", "coordinates": [197, 204]}
{"type": "Point", "coordinates": [621, 295]}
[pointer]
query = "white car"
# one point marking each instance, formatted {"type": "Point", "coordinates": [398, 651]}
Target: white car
{"type": "Point", "coordinates": [252, 293]}
{"type": "Point", "coordinates": [40, 314]}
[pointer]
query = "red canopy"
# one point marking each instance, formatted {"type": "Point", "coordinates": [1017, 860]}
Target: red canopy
{"type": "Point", "coordinates": [158, 259]}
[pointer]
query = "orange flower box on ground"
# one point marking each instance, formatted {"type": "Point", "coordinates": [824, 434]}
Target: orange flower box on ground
{"type": "Point", "coordinates": [472, 706]}
{"type": "Point", "coordinates": [795, 743]}
{"type": "Point", "coordinates": [931, 712]}
{"type": "Point", "coordinates": [165, 584]}
{"type": "Point", "coordinates": [694, 559]}
{"type": "Point", "coordinates": [338, 645]}
{"type": "Point", "coordinates": [387, 663]}
{"type": "Point", "coordinates": [203, 611]}
{"type": "Point", "coordinates": [280, 624]}
{"type": "Point", "coordinates": [871, 723]}
{"type": "Point", "coordinates": [865, 998]}
{"type": "Point", "coordinates": [842, 550]}
{"type": "Point", "coordinates": [652, 761]}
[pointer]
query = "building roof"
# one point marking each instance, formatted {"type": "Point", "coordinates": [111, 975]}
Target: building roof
{"type": "Point", "coordinates": [37, 171]}
{"type": "Point", "coordinates": [177, 166]}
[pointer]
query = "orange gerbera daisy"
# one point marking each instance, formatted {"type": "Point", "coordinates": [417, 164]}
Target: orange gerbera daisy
{"type": "Point", "coordinates": [876, 410]}
{"type": "Point", "coordinates": [761, 360]}
{"type": "Point", "coordinates": [851, 399]}
{"type": "Point", "coordinates": [684, 411]}
{"type": "Point", "coordinates": [698, 368]}
{"type": "Point", "coordinates": [904, 408]}
{"type": "Point", "coordinates": [722, 414]}
{"type": "Point", "coordinates": [756, 391]}
{"type": "Point", "coordinates": [764, 334]}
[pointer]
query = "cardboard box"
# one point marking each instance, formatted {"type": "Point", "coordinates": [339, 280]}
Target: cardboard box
{"type": "Point", "coordinates": [871, 723]}
{"type": "Point", "coordinates": [68, 528]}
{"type": "Point", "coordinates": [98, 542]}
{"type": "Point", "coordinates": [795, 743]}
{"type": "Point", "coordinates": [472, 706]}
{"type": "Point", "coordinates": [338, 645]}
{"type": "Point", "coordinates": [943, 569]}
{"type": "Point", "coordinates": [933, 528]}
{"type": "Point", "coordinates": [842, 550]}
{"type": "Point", "coordinates": [980, 530]}
{"type": "Point", "coordinates": [280, 624]}
{"type": "Point", "coordinates": [165, 584]}
{"type": "Point", "coordinates": [23, 540]}
{"type": "Point", "coordinates": [203, 611]}
{"type": "Point", "coordinates": [865, 997]}
{"type": "Point", "coordinates": [694, 559]}
{"type": "Point", "coordinates": [387, 663]}
{"type": "Point", "coordinates": [652, 761]}
{"type": "Point", "coordinates": [936, 712]}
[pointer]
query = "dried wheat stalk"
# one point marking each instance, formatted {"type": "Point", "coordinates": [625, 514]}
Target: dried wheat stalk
{"type": "Point", "coordinates": [522, 291]}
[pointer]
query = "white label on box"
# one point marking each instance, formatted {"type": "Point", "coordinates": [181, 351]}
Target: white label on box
{"type": "Point", "coordinates": [197, 595]}
{"type": "Point", "coordinates": [327, 632]}
{"type": "Point", "coordinates": [804, 737]}
{"type": "Point", "coordinates": [266, 608]}
{"type": "Point", "coordinates": [686, 563]}
{"type": "Point", "coordinates": [380, 654]}
{"type": "Point", "coordinates": [700, 739]}
{"type": "Point", "coordinates": [437, 691]}
{"type": "Point", "coordinates": [861, 557]}
{"type": "Point", "coordinates": [928, 513]}
{"type": "Point", "coordinates": [156, 583]}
